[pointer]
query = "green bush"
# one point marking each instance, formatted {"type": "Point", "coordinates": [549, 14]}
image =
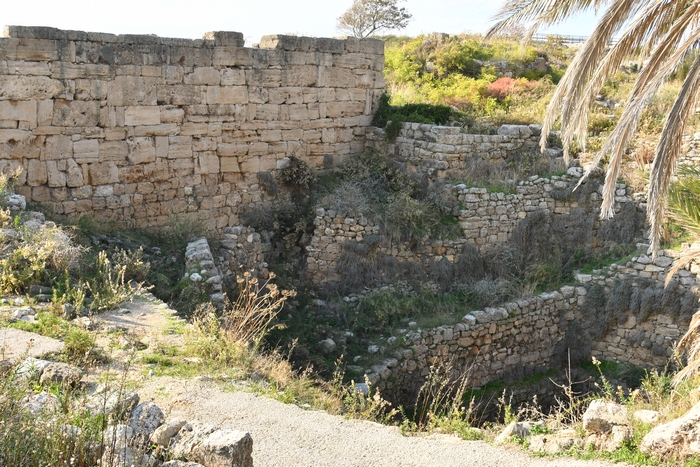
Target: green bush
{"type": "Point", "coordinates": [416, 113]}
{"type": "Point", "coordinates": [297, 175]}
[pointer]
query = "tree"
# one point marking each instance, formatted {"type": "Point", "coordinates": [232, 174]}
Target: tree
{"type": "Point", "coordinates": [366, 17]}
{"type": "Point", "coordinates": [666, 33]}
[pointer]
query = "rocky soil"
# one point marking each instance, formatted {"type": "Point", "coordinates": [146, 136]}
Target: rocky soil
{"type": "Point", "coordinates": [289, 435]}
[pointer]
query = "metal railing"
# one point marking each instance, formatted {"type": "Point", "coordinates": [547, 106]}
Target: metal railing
{"type": "Point", "coordinates": [564, 38]}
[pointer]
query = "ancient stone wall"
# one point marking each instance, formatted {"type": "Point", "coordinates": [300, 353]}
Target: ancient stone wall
{"type": "Point", "coordinates": [622, 313]}
{"type": "Point", "coordinates": [140, 128]}
{"type": "Point", "coordinates": [450, 153]}
{"type": "Point", "coordinates": [487, 220]}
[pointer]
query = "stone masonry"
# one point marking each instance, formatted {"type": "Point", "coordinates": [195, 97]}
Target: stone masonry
{"type": "Point", "coordinates": [449, 153]}
{"type": "Point", "coordinates": [534, 334]}
{"type": "Point", "coordinates": [141, 128]}
{"type": "Point", "coordinates": [486, 219]}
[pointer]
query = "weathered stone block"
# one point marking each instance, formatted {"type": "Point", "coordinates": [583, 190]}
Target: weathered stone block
{"type": "Point", "coordinates": [179, 147]}
{"type": "Point", "coordinates": [141, 150]}
{"type": "Point", "coordinates": [208, 164]}
{"type": "Point", "coordinates": [29, 87]}
{"type": "Point", "coordinates": [113, 151]}
{"type": "Point", "coordinates": [142, 115]}
{"type": "Point", "coordinates": [19, 110]}
{"type": "Point", "coordinates": [204, 75]}
{"type": "Point", "coordinates": [36, 173]}
{"type": "Point", "coordinates": [131, 90]}
{"type": "Point", "coordinates": [58, 147]}
{"type": "Point", "coordinates": [76, 113]}
{"type": "Point", "coordinates": [104, 173]}
{"type": "Point", "coordinates": [56, 178]}
{"type": "Point", "coordinates": [227, 95]}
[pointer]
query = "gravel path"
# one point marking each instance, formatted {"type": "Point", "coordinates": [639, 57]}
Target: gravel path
{"type": "Point", "coordinates": [287, 435]}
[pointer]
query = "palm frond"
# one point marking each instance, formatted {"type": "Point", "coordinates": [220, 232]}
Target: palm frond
{"type": "Point", "coordinates": [668, 150]}
{"type": "Point", "coordinates": [573, 84]}
{"type": "Point", "coordinates": [642, 32]}
{"type": "Point", "coordinates": [665, 58]}
{"type": "Point", "coordinates": [690, 346]}
{"type": "Point", "coordinates": [539, 13]}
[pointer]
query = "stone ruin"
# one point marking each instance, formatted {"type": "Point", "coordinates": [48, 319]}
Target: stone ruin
{"type": "Point", "coordinates": [138, 128]}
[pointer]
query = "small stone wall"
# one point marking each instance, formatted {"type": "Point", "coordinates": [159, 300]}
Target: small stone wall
{"type": "Point", "coordinates": [691, 153]}
{"type": "Point", "coordinates": [621, 314]}
{"type": "Point", "coordinates": [487, 220]}
{"type": "Point", "coordinates": [201, 270]}
{"type": "Point", "coordinates": [140, 128]}
{"type": "Point", "coordinates": [448, 152]}
{"type": "Point", "coordinates": [243, 249]}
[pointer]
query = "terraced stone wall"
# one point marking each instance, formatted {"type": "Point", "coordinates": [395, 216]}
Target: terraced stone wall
{"type": "Point", "coordinates": [141, 128]}
{"type": "Point", "coordinates": [451, 153]}
{"type": "Point", "coordinates": [622, 314]}
{"type": "Point", "coordinates": [489, 220]}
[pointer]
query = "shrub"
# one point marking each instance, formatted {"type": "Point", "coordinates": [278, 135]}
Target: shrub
{"type": "Point", "coordinates": [135, 268]}
{"type": "Point", "coordinates": [107, 285]}
{"type": "Point", "coordinates": [36, 257]}
{"type": "Point", "coordinates": [417, 113]}
{"type": "Point", "coordinates": [62, 435]}
{"type": "Point", "coordinates": [250, 316]}
{"type": "Point", "coordinates": [297, 175]}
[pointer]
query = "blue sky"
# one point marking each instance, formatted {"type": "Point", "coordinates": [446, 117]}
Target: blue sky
{"type": "Point", "coordinates": [190, 19]}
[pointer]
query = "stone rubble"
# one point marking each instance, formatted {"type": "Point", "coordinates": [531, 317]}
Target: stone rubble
{"type": "Point", "coordinates": [243, 249]}
{"type": "Point", "coordinates": [680, 437]}
{"type": "Point", "coordinates": [201, 270]}
{"type": "Point", "coordinates": [486, 219]}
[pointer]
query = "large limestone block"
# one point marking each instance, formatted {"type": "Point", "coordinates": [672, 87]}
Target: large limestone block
{"type": "Point", "coordinates": [227, 95]}
{"type": "Point", "coordinates": [518, 131]}
{"type": "Point", "coordinates": [58, 147]}
{"type": "Point", "coordinates": [36, 172]}
{"type": "Point", "coordinates": [601, 416]}
{"type": "Point", "coordinates": [14, 137]}
{"type": "Point", "coordinates": [204, 76]}
{"type": "Point", "coordinates": [115, 151]}
{"type": "Point", "coordinates": [302, 76]}
{"type": "Point", "coordinates": [164, 433]}
{"type": "Point", "coordinates": [61, 373]}
{"type": "Point", "coordinates": [680, 437]}
{"type": "Point", "coordinates": [229, 165]}
{"type": "Point", "coordinates": [340, 78]}
{"type": "Point", "coordinates": [130, 90]}
{"type": "Point", "coordinates": [56, 178]}
{"type": "Point", "coordinates": [213, 447]}
{"type": "Point", "coordinates": [179, 147]}
{"type": "Point", "coordinates": [19, 110]}
{"type": "Point", "coordinates": [76, 113]}
{"type": "Point", "coordinates": [29, 87]}
{"type": "Point", "coordinates": [104, 173]}
{"type": "Point", "coordinates": [74, 174]}
{"type": "Point", "coordinates": [142, 115]}
{"type": "Point", "coordinates": [86, 151]}
{"type": "Point", "coordinates": [181, 95]}
{"type": "Point", "coordinates": [141, 150]}
{"type": "Point", "coordinates": [232, 77]}
{"type": "Point", "coordinates": [208, 164]}
{"type": "Point", "coordinates": [226, 448]}
{"type": "Point", "coordinates": [145, 419]}
{"type": "Point", "coordinates": [225, 38]}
